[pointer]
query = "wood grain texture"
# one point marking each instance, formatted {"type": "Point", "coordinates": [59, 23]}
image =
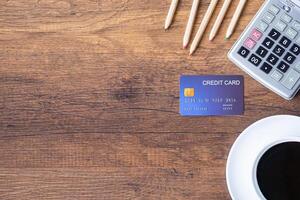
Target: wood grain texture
{"type": "Point", "coordinates": [89, 102]}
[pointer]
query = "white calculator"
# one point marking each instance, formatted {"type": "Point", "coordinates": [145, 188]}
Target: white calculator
{"type": "Point", "coordinates": [269, 48]}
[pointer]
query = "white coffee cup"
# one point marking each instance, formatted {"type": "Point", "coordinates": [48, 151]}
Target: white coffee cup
{"type": "Point", "coordinates": [248, 149]}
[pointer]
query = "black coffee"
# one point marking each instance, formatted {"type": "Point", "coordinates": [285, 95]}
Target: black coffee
{"type": "Point", "coordinates": [278, 172]}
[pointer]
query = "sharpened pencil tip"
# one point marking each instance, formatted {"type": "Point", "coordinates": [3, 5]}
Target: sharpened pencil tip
{"type": "Point", "coordinates": [211, 38]}
{"type": "Point", "coordinates": [185, 42]}
{"type": "Point", "coordinates": [167, 26]}
{"type": "Point", "coordinates": [228, 35]}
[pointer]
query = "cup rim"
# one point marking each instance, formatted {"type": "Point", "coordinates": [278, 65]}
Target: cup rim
{"type": "Point", "coordinates": [280, 134]}
{"type": "Point", "coordinates": [259, 156]}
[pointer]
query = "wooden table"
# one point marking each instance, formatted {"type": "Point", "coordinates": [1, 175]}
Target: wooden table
{"type": "Point", "coordinates": [89, 93]}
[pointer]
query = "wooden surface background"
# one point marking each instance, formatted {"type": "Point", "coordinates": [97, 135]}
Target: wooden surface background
{"type": "Point", "coordinates": [89, 93]}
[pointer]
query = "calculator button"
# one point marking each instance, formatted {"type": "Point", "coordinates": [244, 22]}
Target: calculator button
{"type": "Point", "coordinates": [266, 68]}
{"type": "Point", "coordinates": [249, 43]}
{"type": "Point", "coordinates": [289, 58]}
{"type": "Point", "coordinates": [291, 33]}
{"type": "Point", "coordinates": [278, 50]}
{"type": "Point", "coordinates": [286, 18]}
{"type": "Point", "coordinates": [296, 25]}
{"type": "Point", "coordinates": [287, 8]}
{"type": "Point", "coordinates": [262, 26]}
{"type": "Point", "coordinates": [295, 49]}
{"type": "Point", "coordinates": [291, 79]}
{"type": "Point", "coordinates": [283, 67]}
{"type": "Point", "coordinates": [243, 52]}
{"type": "Point", "coordinates": [276, 75]}
{"type": "Point", "coordinates": [274, 9]}
{"type": "Point", "coordinates": [262, 52]}
{"type": "Point", "coordinates": [274, 34]}
{"type": "Point", "coordinates": [268, 43]}
{"type": "Point", "coordinates": [285, 42]}
{"type": "Point", "coordinates": [272, 59]}
{"type": "Point", "coordinates": [297, 67]}
{"type": "Point", "coordinates": [268, 17]}
{"type": "Point", "coordinates": [280, 26]}
{"type": "Point", "coordinates": [255, 60]}
{"type": "Point", "coordinates": [256, 34]}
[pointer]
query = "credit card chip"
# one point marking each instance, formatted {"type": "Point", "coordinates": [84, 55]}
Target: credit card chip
{"type": "Point", "coordinates": [189, 92]}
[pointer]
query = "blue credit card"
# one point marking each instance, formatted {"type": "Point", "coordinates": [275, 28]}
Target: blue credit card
{"type": "Point", "coordinates": [211, 95]}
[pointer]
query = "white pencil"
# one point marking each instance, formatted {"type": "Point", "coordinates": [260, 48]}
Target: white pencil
{"type": "Point", "coordinates": [235, 18]}
{"type": "Point", "coordinates": [203, 25]}
{"type": "Point", "coordinates": [171, 13]}
{"type": "Point", "coordinates": [190, 24]}
{"type": "Point", "coordinates": [219, 19]}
